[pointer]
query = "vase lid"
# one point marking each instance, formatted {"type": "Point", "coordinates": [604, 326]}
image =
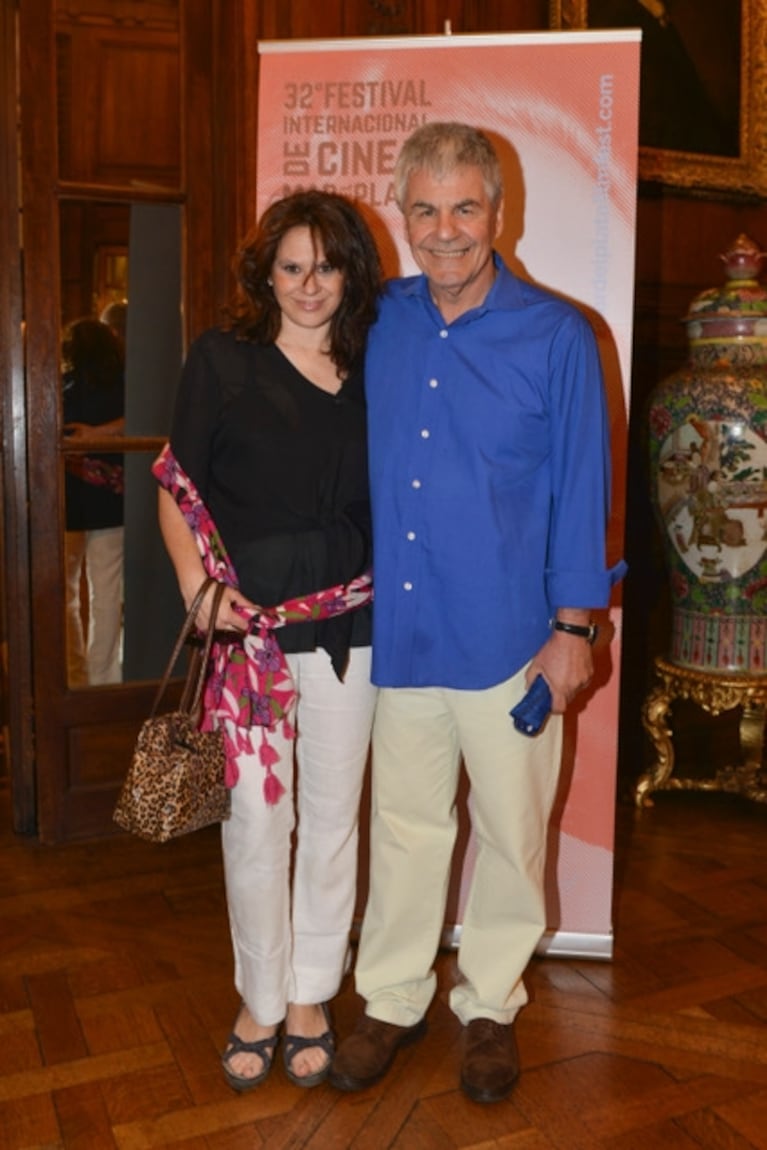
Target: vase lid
{"type": "Point", "coordinates": [740, 297]}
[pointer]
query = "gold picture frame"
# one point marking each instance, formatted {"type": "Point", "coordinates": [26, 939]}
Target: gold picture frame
{"type": "Point", "coordinates": [743, 174]}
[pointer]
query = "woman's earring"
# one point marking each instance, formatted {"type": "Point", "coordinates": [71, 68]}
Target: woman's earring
{"type": "Point", "coordinates": [269, 282]}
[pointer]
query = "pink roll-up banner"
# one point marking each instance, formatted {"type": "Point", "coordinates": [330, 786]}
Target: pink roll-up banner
{"type": "Point", "coordinates": [562, 110]}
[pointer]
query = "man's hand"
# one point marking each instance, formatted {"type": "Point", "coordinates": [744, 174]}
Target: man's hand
{"type": "Point", "coordinates": [567, 664]}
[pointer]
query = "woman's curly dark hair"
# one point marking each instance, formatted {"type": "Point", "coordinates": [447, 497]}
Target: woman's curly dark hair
{"type": "Point", "coordinates": [336, 225]}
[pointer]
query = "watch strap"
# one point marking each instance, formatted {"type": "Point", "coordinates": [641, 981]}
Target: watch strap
{"type": "Point", "coordinates": [587, 631]}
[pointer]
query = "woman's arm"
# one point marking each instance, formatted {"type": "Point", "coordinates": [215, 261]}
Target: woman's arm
{"type": "Point", "coordinates": [190, 572]}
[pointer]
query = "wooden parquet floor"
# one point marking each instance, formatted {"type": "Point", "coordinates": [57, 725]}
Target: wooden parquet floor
{"type": "Point", "coordinates": [115, 997]}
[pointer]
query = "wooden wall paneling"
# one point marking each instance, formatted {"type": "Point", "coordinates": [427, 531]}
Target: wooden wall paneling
{"type": "Point", "coordinates": [522, 16]}
{"type": "Point", "coordinates": [271, 19]}
{"type": "Point", "coordinates": [227, 52]}
{"type": "Point", "coordinates": [280, 21]}
{"type": "Point", "coordinates": [16, 703]}
{"type": "Point", "coordinates": [431, 15]}
{"type": "Point", "coordinates": [306, 19]}
{"type": "Point", "coordinates": [138, 91]}
{"type": "Point", "coordinates": [76, 104]}
{"type": "Point", "coordinates": [690, 234]}
{"type": "Point", "coordinates": [118, 100]}
{"type": "Point", "coordinates": [235, 116]}
{"type": "Point", "coordinates": [316, 21]}
{"type": "Point", "coordinates": [468, 16]}
{"type": "Point", "coordinates": [160, 14]}
{"type": "Point", "coordinates": [247, 119]}
{"type": "Point", "coordinates": [200, 180]}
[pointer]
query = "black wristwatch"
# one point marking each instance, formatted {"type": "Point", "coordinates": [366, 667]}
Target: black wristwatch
{"type": "Point", "coordinates": [588, 631]}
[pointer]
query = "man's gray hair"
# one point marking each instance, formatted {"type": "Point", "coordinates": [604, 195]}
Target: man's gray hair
{"type": "Point", "coordinates": [440, 148]}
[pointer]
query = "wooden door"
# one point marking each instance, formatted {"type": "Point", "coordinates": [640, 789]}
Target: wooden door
{"type": "Point", "coordinates": [107, 157]}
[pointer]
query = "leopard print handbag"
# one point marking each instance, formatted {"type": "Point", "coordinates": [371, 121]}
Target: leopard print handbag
{"type": "Point", "coordinates": [175, 783]}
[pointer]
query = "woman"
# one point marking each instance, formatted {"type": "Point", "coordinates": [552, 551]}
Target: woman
{"type": "Point", "coordinates": [93, 361]}
{"type": "Point", "coordinates": [269, 438]}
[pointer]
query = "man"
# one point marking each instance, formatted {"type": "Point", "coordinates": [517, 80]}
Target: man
{"type": "Point", "coordinates": [490, 475]}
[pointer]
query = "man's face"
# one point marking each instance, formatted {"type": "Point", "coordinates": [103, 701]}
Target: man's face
{"type": "Point", "coordinates": [451, 226]}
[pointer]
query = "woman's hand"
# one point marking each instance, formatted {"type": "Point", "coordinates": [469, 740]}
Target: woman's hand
{"type": "Point", "coordinates": [77, 430]}
{"type": "Point", "coordinates": [235, 611]}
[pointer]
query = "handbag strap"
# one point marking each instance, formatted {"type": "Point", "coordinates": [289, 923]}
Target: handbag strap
{"type": "Point", "coordinates": [198, 664]}
{"type": "Point", "coordinates": [195, 679]}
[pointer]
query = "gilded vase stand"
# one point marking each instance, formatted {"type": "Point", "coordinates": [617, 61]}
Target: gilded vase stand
{"type": "Point", "coordinates": [714, 693]}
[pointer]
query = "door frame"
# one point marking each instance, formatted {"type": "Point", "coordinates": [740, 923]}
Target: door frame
{"type": "Point", "coordinates": [16, 672]}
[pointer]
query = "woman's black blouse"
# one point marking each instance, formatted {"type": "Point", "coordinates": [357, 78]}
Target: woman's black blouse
{"type": "Point", "coordinates": [281, 466]}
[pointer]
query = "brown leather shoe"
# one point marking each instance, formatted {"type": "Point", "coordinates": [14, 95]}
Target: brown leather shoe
{"type": "Point", "coordinates": [364, 1057]}
{"type": "Point", "coordinates": [490, 1060]}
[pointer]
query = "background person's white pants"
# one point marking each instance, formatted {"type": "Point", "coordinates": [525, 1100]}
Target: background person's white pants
{"type": "Point", "coordinates": [418, 739]}
{"type": "Point", "coordinates": [291, 936]}
{"type": "Point", "coordinates": [94, 645]}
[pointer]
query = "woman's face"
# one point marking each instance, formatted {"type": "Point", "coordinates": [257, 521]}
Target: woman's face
{"type": "Point", "coordinates": [307, 289]}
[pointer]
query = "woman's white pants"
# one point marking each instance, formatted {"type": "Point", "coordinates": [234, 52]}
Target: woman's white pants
{"type": "Point", "coordinates": [290, 910]}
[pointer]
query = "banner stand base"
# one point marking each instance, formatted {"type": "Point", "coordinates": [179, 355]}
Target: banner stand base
{"type": "Point", "coordinates": [554, 944]}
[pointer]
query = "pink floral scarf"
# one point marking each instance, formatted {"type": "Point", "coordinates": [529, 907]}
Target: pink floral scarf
{"type": "Point", "coordinates": [97, 472]}
{"type": "Point", "coordinates": [250, 682]}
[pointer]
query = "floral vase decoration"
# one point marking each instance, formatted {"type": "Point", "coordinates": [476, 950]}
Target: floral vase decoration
{"type": "Point", "coordinates": [708, 458]}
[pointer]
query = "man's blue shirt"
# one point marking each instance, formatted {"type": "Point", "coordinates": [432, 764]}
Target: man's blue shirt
{"type": "Point", "coordinates": [489, 468]}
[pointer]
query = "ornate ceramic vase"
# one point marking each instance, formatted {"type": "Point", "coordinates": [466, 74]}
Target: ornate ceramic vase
{"type": "Point", "coordinates": [708, 450]}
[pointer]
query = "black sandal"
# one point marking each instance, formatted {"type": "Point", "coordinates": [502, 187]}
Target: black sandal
{"type": "Point", "coordinates": [294, 1043]}
{"type": "Point", "coordinates": [264, 1048]}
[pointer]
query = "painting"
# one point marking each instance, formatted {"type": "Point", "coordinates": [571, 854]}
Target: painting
{"type": "Point", "coordinates": [703, 102]}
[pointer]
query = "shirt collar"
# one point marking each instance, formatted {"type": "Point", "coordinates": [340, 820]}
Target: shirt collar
{"type": "Point", "coordinates": [505, 293]}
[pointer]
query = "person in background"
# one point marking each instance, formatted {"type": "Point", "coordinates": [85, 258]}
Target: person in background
{"type": "Point", "coordinates": [115, 314]}
{"type": "Point", "coordinates": [265, 485]}
{"type": "Point", "coordinates": [93, 404]}
{"type": "Point", "coordinates": [489, 472]}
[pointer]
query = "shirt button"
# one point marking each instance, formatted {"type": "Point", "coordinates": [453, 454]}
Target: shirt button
{"type": "Point", "coordinates": [416, 483]}
{"type": "Point", "coordinates": [443, 334]}
{"type": "Point", "coordinates": [408, 586]}
{"type": "Point", "coordinates": [433, 383]}
{"type": "Point", "coordinates": [425, 433]}
{"type": "Point", "coordinates": [411, 536]}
